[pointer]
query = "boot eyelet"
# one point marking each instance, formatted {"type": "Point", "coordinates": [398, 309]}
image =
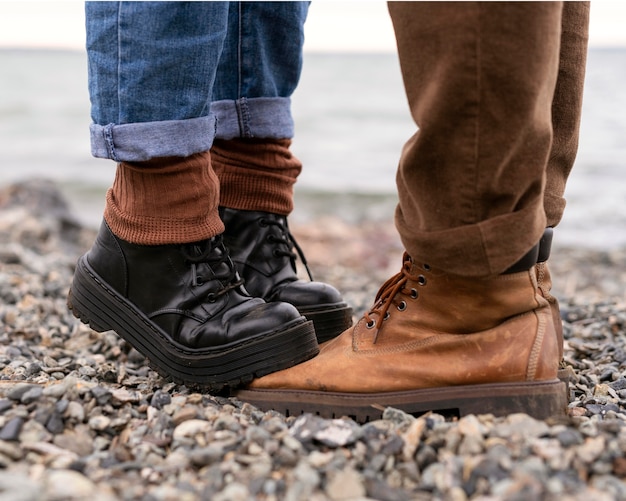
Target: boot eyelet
{"type": "Point", "coordinates": [211, 297]}
{"type": "Point", "coordinates": [371, 324]}
{"type": "Point", "coordinates": [263, 223]}
{"type": "Point", "coordinates": [421, 280]}
{"type": "Point", "coordinates": [270, 238]}
{"type": "Point", "coordinates": [276, 253]}
{"type": "Point", "coordinates": [402, 306]}
{"type": "Point", "coordinates": [427, 267]}
{"type": "Point", "coordinates": [414, 294]}
{"type": "Point", "coordinates": [387, 315]}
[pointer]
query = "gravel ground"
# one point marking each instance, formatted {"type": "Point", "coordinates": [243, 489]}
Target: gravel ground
{"type": "Point", "coordinates": [82, 417]}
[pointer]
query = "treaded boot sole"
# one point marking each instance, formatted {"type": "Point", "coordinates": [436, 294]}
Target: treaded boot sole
{"type": "Point", "coordinates": [95, 303]}
{"type": "Point", "coordinates": [329, 321]}
{"type": "Point", "coordinates": [540, 399]}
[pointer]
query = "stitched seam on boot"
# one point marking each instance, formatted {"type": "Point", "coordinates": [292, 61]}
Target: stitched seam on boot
{"type": "Point", "coordinates": [535, 352]}
{"type": "Point", "coordinates": [358, 349]}
{"type": "Point", "coordinates": [541, 274]}
{"type": "Point", "coordinates": [409, 346]}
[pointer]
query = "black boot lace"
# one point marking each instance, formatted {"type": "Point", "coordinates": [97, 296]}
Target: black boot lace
{"type": "Point", "coordinates": [212, 253]}
{"type": "Point", "coordinates": [394, 292]}
{"type": "Point", "coordinates": [285, 242]}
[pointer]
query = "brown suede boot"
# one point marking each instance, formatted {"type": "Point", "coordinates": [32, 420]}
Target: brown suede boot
{"type": "Point", "coordinates": [432, 341]}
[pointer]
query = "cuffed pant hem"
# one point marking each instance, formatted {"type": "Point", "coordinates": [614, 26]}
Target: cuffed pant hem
{"type": "Point", "coordinates": [139, 142]}
{"type": "Point", "coordinates": [554, 206]}
{"type": "Point", "coordinates": [483, 249]}
{"type": "Point", "coordinates": [261, 117]}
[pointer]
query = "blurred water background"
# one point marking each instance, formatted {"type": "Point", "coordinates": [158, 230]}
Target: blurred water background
{"type": "Point", "coordinates": [351, 123]}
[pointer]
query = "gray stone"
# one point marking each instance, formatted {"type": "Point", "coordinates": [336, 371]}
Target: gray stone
{"type": "Point", "coordinates": [20, 390]}
{"type": "Point", "coordinates": [11, 430]}
{"type": "Point", "coordinates": [207, 455]}
{"type": "Point", "coordinates": [62, 485]}
{"type": "Point", "coordinates": [333, 433]}
{"type": "Point", "coordinates": [160, 399]}
{"type": "Point", "coordinates": [15, 486]}
{"type": "Point", "coordinates": [344, 485]}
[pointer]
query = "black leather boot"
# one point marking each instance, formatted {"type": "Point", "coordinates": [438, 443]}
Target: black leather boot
{"type": "Point", "coordinates": [184, 307]}
{"type": "Point", "coordinates": [262, 248]}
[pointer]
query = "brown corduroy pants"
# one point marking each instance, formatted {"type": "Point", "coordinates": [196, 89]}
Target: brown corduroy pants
{"type": "Point", "coordinates": [495, 89]}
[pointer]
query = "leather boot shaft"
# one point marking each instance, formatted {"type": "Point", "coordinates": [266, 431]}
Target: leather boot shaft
{"type": "Point", "coordinates": [262, 247]}
{"type": "Point", "coordinates": [436, 301]}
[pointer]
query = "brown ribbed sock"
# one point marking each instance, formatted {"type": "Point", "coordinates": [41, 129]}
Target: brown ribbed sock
{"type": "Point", "coordinates": [256, 174]}
{"type": "Point", "coordinates": [164, 201]}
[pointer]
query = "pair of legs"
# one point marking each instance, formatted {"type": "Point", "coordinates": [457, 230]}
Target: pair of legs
{"type": "Point", "coordinates": [194, 263]}
{"type": "Point", "coordinates": [469, 323]}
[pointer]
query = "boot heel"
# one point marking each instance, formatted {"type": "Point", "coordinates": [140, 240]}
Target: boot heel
{"type": "Point", "coordinates": [83, 303]}
{"type": "Point", "coordinates": [539, 399]}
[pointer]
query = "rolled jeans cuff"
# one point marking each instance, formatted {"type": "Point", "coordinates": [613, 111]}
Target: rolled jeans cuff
{"type": "Point", "coordinates": [262, 117]}
{"type": "Point", "coordinates": [141, 141]}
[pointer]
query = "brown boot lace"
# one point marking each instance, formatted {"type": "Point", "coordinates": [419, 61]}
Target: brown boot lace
{"type": "Point", "coordinates": [391, 293]}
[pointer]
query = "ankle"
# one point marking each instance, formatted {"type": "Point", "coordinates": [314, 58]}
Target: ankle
{"type": "Point", "coordinates": [164, 200]}
{"type": "Point", "coordinates": [256, 174]}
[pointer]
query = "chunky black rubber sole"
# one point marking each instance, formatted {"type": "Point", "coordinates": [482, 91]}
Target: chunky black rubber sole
{"type": "Point", "coordinates": [95, 303]}
{"type": "Point", "coordinates": [540, 399]}
{"type": "Point", "coordinates": [329, 320]}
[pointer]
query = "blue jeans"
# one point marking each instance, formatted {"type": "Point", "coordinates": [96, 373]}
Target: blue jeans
{"type": "Point", "coordinates": [166, 78]}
